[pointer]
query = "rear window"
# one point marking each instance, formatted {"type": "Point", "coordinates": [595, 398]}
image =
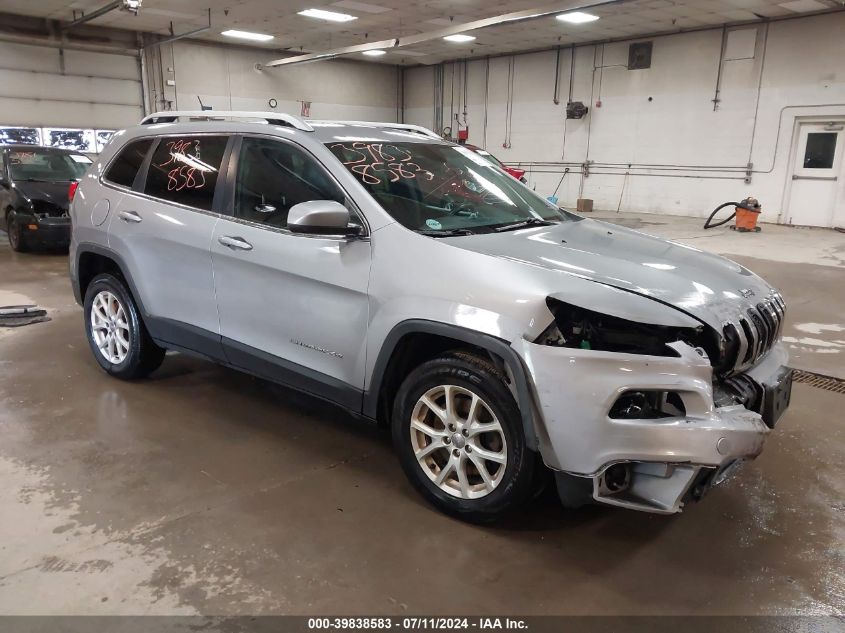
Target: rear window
{"type": "Point", "coordinates": [185, 169]}
{"type": "Point", "coordinates": [123, 169]}
{"type": "Point", "coordinates": [45, 165]}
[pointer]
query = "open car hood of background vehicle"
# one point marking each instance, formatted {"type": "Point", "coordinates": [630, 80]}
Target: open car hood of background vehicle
{"type": "Point", "coordinates": [708, 287]}
{"type": "Point", "coordinates": [54, 193]}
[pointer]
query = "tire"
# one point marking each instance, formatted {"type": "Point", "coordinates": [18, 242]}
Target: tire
{"type": "Point", "coordinates": [468, 381]}
{"type": "Point", "coordinates": [131, 353]}
{"type": "Point", "coordinates": [16, 238]}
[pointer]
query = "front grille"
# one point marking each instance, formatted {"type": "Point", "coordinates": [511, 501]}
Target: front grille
{"type": "Point", "coordinates": [54, 210]}
{"type": "Point", "coordinates": [753, 333]}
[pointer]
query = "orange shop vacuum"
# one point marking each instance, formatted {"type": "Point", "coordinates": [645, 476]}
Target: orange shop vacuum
{"type": "Point", "coordinates": [746, 213]}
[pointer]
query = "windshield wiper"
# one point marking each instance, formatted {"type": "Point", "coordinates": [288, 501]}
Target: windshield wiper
{"type": "Point", "coordinates": [522, 224]}
{"type": "Point", "coordinates": [447, 233]}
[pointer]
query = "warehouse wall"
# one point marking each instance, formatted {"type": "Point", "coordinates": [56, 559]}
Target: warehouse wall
{"type": "Point", "coordinates": [656, 143]}
{"type": "Point", "coordinates": [225, 77]}
{"type": "Point", "coordinates": [43, 86]}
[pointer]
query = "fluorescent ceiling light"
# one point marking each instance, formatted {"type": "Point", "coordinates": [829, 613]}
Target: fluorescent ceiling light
{"type": "Point", "coordinates": [459, 37]}
{"type": "Point", "coordinates": [374, 53]}
{"type": "Point", "coordinates": [246, 35]}
{"type": "Point", "coordinates": [331, 16]}
{"type": "Point", "coordinates": [803, 6]}
{"type": "Point", "coordinates": [577, 17]}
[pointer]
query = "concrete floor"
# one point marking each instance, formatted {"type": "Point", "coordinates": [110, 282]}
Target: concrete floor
{"type": "Point", "coordinates": [205, 491]}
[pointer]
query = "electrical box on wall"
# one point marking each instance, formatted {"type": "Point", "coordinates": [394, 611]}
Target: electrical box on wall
{"type": "Point", "coordinates": [639, 55]}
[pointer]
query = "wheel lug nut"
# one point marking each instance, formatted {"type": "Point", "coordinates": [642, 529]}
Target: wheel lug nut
{"type": "Point", "coordinates": [465, 433]}
{"type": "Point", "coordinates": [447, 440]}
{"type": "Point", "coordinates": [456, 453]}
{"type": "Point", "coordinates": [451, 427]}
{"type": "Point", "coordinates": [468, 448]}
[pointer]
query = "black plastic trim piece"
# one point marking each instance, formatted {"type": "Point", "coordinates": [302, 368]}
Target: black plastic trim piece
{"type": "Point", "coordinates": [492, 344]}
{"type": "Point", "coordinates": [185, 337]}
{"type": "Point", "coordinates": [88, 247]}
{"type": "Point", "coordinates": [290, 374]}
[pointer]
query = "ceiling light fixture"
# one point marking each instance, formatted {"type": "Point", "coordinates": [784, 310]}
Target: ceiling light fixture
{"type": "Point", "coordinates": [246, 35]}
{"type": "Point", "coordinates": [374, 53]}
{"type": "Point", "coordinates": [331, 16]}
{"type": "Point", "coordinates": [577, 17]}
{"type": "Point", "coordinates": [459, 37]}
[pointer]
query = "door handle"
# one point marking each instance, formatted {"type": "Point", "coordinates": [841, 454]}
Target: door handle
{"type": "Point", "coordinates": [235, 242]}
{"type": "Point", "coordinates": [129, 216]}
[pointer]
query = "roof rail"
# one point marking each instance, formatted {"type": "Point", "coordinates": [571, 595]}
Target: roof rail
{"type": "Point", "coordinates": [390, 126]}
{"type": "Point", "coordinates": [273, 118]}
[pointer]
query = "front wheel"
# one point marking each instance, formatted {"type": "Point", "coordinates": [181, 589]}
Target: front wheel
{"type": "Point", "coordinates": [16, 238]}
{"type": "Point", "coordinates": [458, 433]}
{"type": "Point", "coordinates": [116, 333]}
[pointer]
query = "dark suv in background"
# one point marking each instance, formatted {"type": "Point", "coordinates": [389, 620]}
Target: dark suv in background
{"type": "Point", "coordinates": [36, 185]}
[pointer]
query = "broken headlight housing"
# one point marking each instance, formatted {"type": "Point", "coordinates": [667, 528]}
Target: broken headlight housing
{"type": "Point", "coordinates": [580, 328]}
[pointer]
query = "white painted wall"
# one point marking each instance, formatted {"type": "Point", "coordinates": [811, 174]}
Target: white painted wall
{"type": "Point", "coordinates": [684, 157]}
{"type": "Point", "coordinates": [42, 86]}
{"type": "Point", "coordinates": [225, 78]}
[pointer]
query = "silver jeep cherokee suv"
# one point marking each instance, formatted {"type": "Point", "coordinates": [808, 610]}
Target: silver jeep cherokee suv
{"type": "Point", "coordinates": [414, 283]}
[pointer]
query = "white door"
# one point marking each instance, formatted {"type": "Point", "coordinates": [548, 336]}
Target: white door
{"type": "Point", "coordinates": [816, 173]}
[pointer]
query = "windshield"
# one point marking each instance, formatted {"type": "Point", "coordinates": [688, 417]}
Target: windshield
{"type": "Point", "coordinates": [46, 165]}
{"type": "Point", "coordinates": [490, 157]}
{"type": "Point", "coordinates": [443, 189]}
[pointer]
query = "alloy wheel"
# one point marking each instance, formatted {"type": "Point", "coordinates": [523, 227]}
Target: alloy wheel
{"type": "Point", "coordinates": [458, 441]}
{"type": "Point", "coordinates": [110, 327]}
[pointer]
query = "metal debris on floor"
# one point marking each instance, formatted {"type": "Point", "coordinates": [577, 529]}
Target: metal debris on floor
{"type": "Point", "coordinates": [17, 316]}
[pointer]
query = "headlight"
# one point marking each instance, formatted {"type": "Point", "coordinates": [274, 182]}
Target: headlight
{"type": "Point", "coordinates": [584, 329]}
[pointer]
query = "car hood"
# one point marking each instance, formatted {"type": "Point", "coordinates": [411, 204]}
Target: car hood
{"type": "Point", "coordinates": [52, 193]}
{"type": "Point", "coordinates": [708, 287]}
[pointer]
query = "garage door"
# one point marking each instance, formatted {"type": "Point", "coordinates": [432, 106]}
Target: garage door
{"type": "Point", "coordinates": [67, 95]}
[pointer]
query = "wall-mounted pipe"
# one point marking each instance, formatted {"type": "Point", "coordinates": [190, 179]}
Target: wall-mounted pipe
{"type": "Point", "coordinates": [556, 95]}
{"type": "Point", "coordinates": [722, 48]}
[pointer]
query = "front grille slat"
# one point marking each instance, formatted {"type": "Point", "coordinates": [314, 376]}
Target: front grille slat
{"type": "Point", "coordinates": [757, 330]}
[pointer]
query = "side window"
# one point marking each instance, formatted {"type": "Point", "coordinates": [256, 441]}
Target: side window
{"type": "Point", "coordinates": [127, 163]}
{"type": "Point", "coordinates": [273, 177]}
{"type": "Point", "coordinates": [184, 169]}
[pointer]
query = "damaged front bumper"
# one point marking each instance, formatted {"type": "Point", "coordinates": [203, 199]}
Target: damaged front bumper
{"type": "Point", "coordinates": [652, 464]}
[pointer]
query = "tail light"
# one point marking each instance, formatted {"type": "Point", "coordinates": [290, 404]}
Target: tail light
{"type": "Point", "coordinates": [71, 191]}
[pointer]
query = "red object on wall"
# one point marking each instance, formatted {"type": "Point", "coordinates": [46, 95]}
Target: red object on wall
{"type": "Point", "coordinates": [463, 135]}
{"type": "Point", "coordinates": [516, 172]}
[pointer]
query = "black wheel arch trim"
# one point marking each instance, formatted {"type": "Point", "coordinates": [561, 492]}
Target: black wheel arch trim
{"type": "Point", "coordinates": [498, 346]}
{"type": "Point", "coordinates": [96, 249]}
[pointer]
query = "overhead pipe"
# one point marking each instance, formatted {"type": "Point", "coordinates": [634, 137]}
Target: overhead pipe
{"type": "Point", "coordinates": [180, 36]}
{"type": "Point", "coordinates": [409, 40]}
{"type": "Point", "coordinates": [111, 6]}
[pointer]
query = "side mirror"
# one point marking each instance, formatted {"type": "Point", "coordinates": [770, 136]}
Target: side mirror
{"type": "Point", "coordinates": [320, 217]}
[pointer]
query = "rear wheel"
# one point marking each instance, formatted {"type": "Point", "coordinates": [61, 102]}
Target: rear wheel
{"type": "Point", "coordinates": [15, 232]}
{"type": "Point", "coordinates": [458, 433]}
{"type": "Point", "coordinates": [116, 334]}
